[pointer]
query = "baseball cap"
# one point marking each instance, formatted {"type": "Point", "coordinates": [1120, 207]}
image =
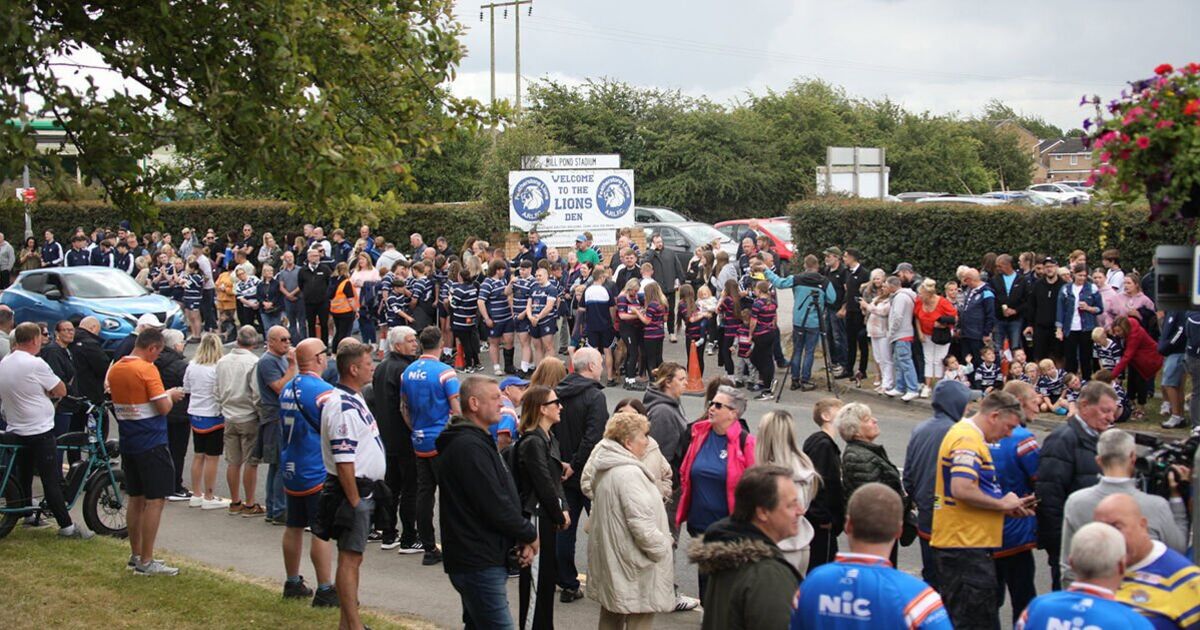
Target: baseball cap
{"type": "Point", "coordinates": [1049, 260]}
{"type": "Point", "coordinates": [509, 381]}
{"type": "Point", "coordinates": [833, 251]}
{"type": "Point", "coordinates": [149, 320]}
{"type": "Point", "coordinates": [903, 267]}
{"type": "Point", "coordinates": [582, 238]}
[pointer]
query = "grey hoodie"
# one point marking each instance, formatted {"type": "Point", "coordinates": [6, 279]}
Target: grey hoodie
{"type": "Point", "coordinates": [921, 459]}
{"type": "Point", "coordinates": [900, 319]}
{"type": "Point", "coordinates": [667, 423]}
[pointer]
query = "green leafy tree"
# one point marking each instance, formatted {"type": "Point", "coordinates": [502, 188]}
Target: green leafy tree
{"type": "Point", "coordinates": [935, 153]}
{"type": "Point", "coordinates": [996, 111]}
{"type": "Point", "coordinates": [1010, 167]}
{"type": "Point", "coordinates": [308, 100]}
{"type": "Point", "coordinates": [516, 141]}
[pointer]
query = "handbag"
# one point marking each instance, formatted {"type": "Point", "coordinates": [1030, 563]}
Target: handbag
{"type": "Point", "coordinates": [941, 336]}
{"type": "Point", "coordinates": [908, 533]}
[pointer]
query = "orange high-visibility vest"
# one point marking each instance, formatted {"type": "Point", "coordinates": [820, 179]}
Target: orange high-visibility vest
{"type": "Point", "coordinates": [341, 304]}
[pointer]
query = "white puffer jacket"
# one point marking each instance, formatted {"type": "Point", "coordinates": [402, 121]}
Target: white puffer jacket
{"type": "Point", "coordinates": [629, 544]}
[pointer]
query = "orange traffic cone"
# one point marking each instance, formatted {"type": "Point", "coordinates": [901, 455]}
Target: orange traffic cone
{"type": "Point", "coordinates": [695, 382]}
{"type": "Point", "coordinates": [459, 358]}
{"type": "Point", "coordinates": [570, 367]}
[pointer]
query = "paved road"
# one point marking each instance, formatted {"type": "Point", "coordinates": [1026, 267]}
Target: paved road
{"type": "Point", "coordinates": [400, 584]}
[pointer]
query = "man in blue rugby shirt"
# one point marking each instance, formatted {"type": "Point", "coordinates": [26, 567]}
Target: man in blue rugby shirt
{"type": "Point", "coordinates": [495, 308]}
{"type": "Point", "coordinates": [301, 401]}
{"type": "Point", "coordinates": [860, 588]}
{"type": "Point", "coordinates": [428, 397]}
{"type": "Point", "coordinates": [1016, 459]}
{"type": "Point", "coordinates": [1098, 561]}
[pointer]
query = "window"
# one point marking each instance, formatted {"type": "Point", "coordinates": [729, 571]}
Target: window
{"type": "Point", "coordinates": [1074, 160]}
{"type": "Point", "coordinates": [34, 283]}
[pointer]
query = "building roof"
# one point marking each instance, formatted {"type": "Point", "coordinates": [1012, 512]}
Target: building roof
{"type": "Point", "coordinates": [1067, 145]}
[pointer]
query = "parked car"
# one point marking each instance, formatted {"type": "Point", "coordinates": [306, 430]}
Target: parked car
{"type": "Point", "coordinates": [652, 214]}
{"type": "Point", "coordinates": [978, 201]}
{"type": "Point", "coordinates": [1078, 184]}
{"type": "Point", "coordinates": [778, 229]}
{"type": "Point", "coordinates": [1061, 193]}
{"type": "Point", "coordinates": [909, 197]}
{"type": "Point", "coordinates": [1023, 197]}
{"type": "Point", "coordinates": [110, 295]}
{"type": "Point", "coordinates": [682, 239]}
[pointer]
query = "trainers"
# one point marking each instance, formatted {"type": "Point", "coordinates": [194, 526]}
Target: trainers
{"type": "Point", "coordinates": [795, 384]}
{"type": "Point", "coordinates": [34, 521]}
{"type": "Point", "coordinates": [410, 547]}
{"type": "Point", "coordinates": [375, 536]}
{"type": "Point", "coordinates": [296, 590]}
{"type": "Point", "coordinates": [251, 511]}
{"type": "Point", "coordinates": [195, 501]}
{"type": "Point", "coordinates": [215, 503]}
{"type": "Point", "coordinates": [569, 595]}
{"type": "Point", "coordinates": [73, 531]}
{"type": "Point", "coordinates": [807, 386]}
{"type": "Point", "coordinates": [325, 598]}
{"type": "Point", "coordinates": [155, 568]}
{"type": "Point", "coordinates": [236, 508]}
{"type": "Point", "coordinates": [924, 391]}
{"type": "Point", "coordinates": [134, 560]}
{"type": "Point", "coordinates": [1164, 408]}
{"type": "Point", "coordinates": [684, 603]}
{"type": "Point", "coordinates": [182, 494]}
{"type": "Point", "coordinates": [765, 395]}
{"type": "Point", "coordinates": [389, 544]}
{"type": "Point", "coordinates": [497, 370]}
{"type": "Point", "coordinates": [432, 557]}
{"type": "Point", "coordinates": [894, 392]}
{"type": "Point", "coordinates": [909, 396]}
{"type": "Point", "coordinates": [673, 338]}
{"type": "Point", "coordinates": [1174, 422]}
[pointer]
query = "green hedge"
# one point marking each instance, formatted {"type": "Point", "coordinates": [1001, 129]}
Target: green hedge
{"type": "Point", "coordinates": [937, 238]}
{"type": "Point", "coordinates": [395, 222]}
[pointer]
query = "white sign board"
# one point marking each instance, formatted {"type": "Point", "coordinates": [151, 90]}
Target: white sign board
{"type": "Point", "coordinates": [556, 162]}
{"type": "Point", "coordinates": [562, 204]}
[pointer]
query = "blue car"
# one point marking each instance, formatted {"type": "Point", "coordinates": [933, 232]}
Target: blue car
{"type": "Point", "coordinates": [110, 295]}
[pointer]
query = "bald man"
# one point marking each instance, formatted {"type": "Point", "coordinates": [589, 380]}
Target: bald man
{"type": "Point", "coordinates": [1159, 582]}
{"type": "Point", "coordinates": [90, 361]}
{"type": "Point", "coordinates": [301, 400]}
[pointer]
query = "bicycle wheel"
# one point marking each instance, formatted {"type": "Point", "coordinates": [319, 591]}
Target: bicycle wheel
{"type": "Point", "coordinates": [104, 505]}
{"type": "Point", "coordinates": [10, 496]}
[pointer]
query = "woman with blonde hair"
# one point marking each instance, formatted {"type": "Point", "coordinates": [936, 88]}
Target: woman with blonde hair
{"type": "Point", "coordinates": [539, 479]}
{"type": "Point", "coordinates": [630, 568]}
{"type": "Point", "coordinates": [549, 373]}
{"type": "Point", "coordinates": [208, 426]}
{"type": "Point", "coordinates": [777, 445]}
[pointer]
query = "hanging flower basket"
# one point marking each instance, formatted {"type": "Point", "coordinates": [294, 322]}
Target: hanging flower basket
{"type": "Point", "coordinates": [1148, 142]}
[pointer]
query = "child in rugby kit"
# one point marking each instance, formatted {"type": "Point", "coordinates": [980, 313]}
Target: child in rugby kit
{"type": "Point", "coordinates": [1065, 405]}
{"type": "Point", "coordinates": [987, 376]}
{"type": "Point", "coordinates": [522, 285]}
{"type": "Point", "coordinates": [745, 373]}
{"type": "Point", "coordinates": [1107, 350]}
{"type": "Point", "coordinates": [629, 326]}
{"type": "Point", "coordinates": [542, 312]}
{"type": "Point", "coordinates": [1049, 385]}
{"type": "Point", "coordinates": [654, 318]}
{"type": "Point", "coordinates": [193, 290]}
{"type": "Point", "coordinates": [464, 315]}
{"type": "Point", "coordinates": [762, 328]}
{"type": "Point", "coordinates": [695, 322]}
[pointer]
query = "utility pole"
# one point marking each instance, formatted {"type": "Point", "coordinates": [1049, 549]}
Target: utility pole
{"type": "Point", "coordinates": [491, 7]}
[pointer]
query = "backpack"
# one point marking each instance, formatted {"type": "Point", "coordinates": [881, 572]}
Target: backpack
{"type": "Point", "coordinates": [508, 455]}
{"type": "Point", "coordinates": [1191, 329]}
{"type": "Point", "coordinates": [1149, 320]}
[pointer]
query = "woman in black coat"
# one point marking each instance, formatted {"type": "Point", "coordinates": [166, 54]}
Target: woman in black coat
{"type": "Point", "coordinates": [863, 460]}
{"type": "Point", "coordinates": [171, 366]}
{"type": "Point", "coordinates": [539, 481]}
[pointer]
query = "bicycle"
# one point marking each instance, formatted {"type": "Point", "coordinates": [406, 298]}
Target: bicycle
{"type": "Point", "coordinates": [95, 476]}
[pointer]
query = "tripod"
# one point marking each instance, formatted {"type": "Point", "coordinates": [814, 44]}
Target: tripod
{"type": "Point", "coordinates": [813, 304]}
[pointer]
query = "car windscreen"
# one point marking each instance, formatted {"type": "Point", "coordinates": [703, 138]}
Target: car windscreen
{"type": "Point", "coordinates": [103, 285]}
{"type": "Point", "coordinates": [703, 233]}
{"type": "Point", "coordinates": [669, 216]}
{"type": "Point", "coordinates": [781, 231]}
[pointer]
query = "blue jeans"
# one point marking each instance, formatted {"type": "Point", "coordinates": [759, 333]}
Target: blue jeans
{"type": "Point", "coordinates": [276, 502]}
{"type": "Point", "coordinates": [837, 339]}
{"type": "Point", "coordinates": [484, 597]}
{"type": "Point", "coordinates": [296, 322]}
{"type": "Point", "coordinates": [271, 319]}
{"type": "Point", "coordinates": [1010, 330]}
{"type": "Point", "coordinates": [568, 573]}
{"type": "Point", "coordinates": [906, 372]}
{"type": "Point", "coordinates": [804, 346]}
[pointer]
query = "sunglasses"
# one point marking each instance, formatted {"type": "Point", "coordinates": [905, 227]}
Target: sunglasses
{"type": "Point", "coordinates": [553, 402]}
{"type": "Point", "coordinates": [719, 405]}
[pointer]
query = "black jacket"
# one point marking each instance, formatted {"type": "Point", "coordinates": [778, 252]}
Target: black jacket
{"type": "Point", "coordinates": [867, 462]}
{"type": "Point", "coordinates": [666, 268]}
{"type": "Point", "coordinates": [91, 365]}
{"type": "Point", "coordinates": [314, 284]}
{"type": "Point", "coordinates": [836, 277]}
{"type": "Point", "coordinates": [171, 368]}
{"type": "Point", "coordinates": [396, 436]}
{"type": "Point", "coordinates": [1067, 464]}
{"type": "Point", "coordinates": [854, 282]}
{"type": "Point", "coordinates": [539, 476]}
{"type": "Point", "coordinates": [60, 362]}
{"type": "Point", "coordinates": [480, 510]}
{"type": "Point", "coordinates": [828, 507]}
{"type": "Point", "coordinates": [269, 292]}
{"type": "Point", "coordinates": [1015, 298]}
{"type": "Point", "coordinates": [584, 414]}
{"type": "Point", "coordinates": [1042, 303]}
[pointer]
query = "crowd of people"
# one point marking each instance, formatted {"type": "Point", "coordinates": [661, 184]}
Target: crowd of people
{"type": "Point", "coordinates": [365, 424]}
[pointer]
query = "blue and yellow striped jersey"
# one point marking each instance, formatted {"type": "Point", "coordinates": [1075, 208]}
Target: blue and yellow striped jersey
{"type": "Point", "coordinates": [1165, 588]}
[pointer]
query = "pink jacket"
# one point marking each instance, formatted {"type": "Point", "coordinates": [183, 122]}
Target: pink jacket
{"type": "Point", "coordinates": [739, 460]}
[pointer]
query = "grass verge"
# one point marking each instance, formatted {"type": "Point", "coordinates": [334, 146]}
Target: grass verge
{"type": "Point", "coordinates": [52, 583]}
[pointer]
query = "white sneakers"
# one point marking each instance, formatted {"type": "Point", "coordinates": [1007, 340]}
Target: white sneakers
{"type": "Point", "coordinates": [909, 396]}
{"type": "Point", "coordinates": [893, 392]}
{"type": "Point", "coordinates": [196, 500]}
{"type": "Point", "coordinates": [215, 503]}
{"type": "Point", "coordinates": [925, 391]}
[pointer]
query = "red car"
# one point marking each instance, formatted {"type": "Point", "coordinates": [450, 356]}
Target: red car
{"type": "Point", "coordinates": [778, 229]}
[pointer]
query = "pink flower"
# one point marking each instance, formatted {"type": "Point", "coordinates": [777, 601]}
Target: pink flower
{"type": "Point", "coordinates": [1143, 142]}
{"type": "Point", "coordinates": [1192, 108]}
{"type": "Point", "coordinates": [1105, 157]}
{"type": "Point", "coordinates": [1164, 69]}
{"type": "Point", "coordinates": [1164, 124]}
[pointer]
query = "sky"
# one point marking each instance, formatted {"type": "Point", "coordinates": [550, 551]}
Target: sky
{"type": "Point", "coordinates": [941, 56]}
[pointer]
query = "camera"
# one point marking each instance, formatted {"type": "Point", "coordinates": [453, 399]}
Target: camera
{"type": "Point", "coordinates": [1153, 468]}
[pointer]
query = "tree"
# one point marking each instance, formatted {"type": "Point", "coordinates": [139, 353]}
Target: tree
{"type": "Point", "coordinates": [312, 100]}
{"type": "Point", "coordinates": [1010, 166]}
{"type": "Point", "coordinates": [996, 111]}
{"type": "Point", "coordinates": [935, 153]}
{"type": "Point", "coordinates": [516, 141]}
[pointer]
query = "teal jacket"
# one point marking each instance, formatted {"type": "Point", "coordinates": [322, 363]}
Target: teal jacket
{"type": "Point", "coordinates": [806, 288]}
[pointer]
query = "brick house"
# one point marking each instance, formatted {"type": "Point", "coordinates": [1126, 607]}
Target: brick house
{"type": "Point", "coordinates": [1064, 159]}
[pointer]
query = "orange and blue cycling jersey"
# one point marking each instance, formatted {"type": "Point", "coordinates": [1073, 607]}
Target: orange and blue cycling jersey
{"type": "Point", "coordinates": [135, 384]}
{"type": "Point", "coordinates": [957, 525]}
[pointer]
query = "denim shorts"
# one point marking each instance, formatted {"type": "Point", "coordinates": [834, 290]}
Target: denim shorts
{"type": "Point", "coordinates": [354, 538]}
{"type": "Point", "coordinates": [1173, 370]}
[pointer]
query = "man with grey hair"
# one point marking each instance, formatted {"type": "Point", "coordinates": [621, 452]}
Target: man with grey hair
{"type": "Point", "coordinates": [1068, 464]}
{"type": "Point", "coordinates": [238, 397]}
{"type": "Point", "coordinates": [401, 477]}
{"type": "Point", "coordinates": [1098, 559]}
{"type": "Point", "coordinates": [7, 323]}
{"type": "Point", "coordinates": [584, 414]}
{"type": "Point", "coordinates": [1116, 455]}
{"type": "Point", "coordinates": [976, 317]}
{"type": "Point", "coordinates": [901, 336]}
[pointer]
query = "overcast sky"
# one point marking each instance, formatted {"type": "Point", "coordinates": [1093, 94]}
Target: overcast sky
{"type": "Point", "coordinates": [943, 56]}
